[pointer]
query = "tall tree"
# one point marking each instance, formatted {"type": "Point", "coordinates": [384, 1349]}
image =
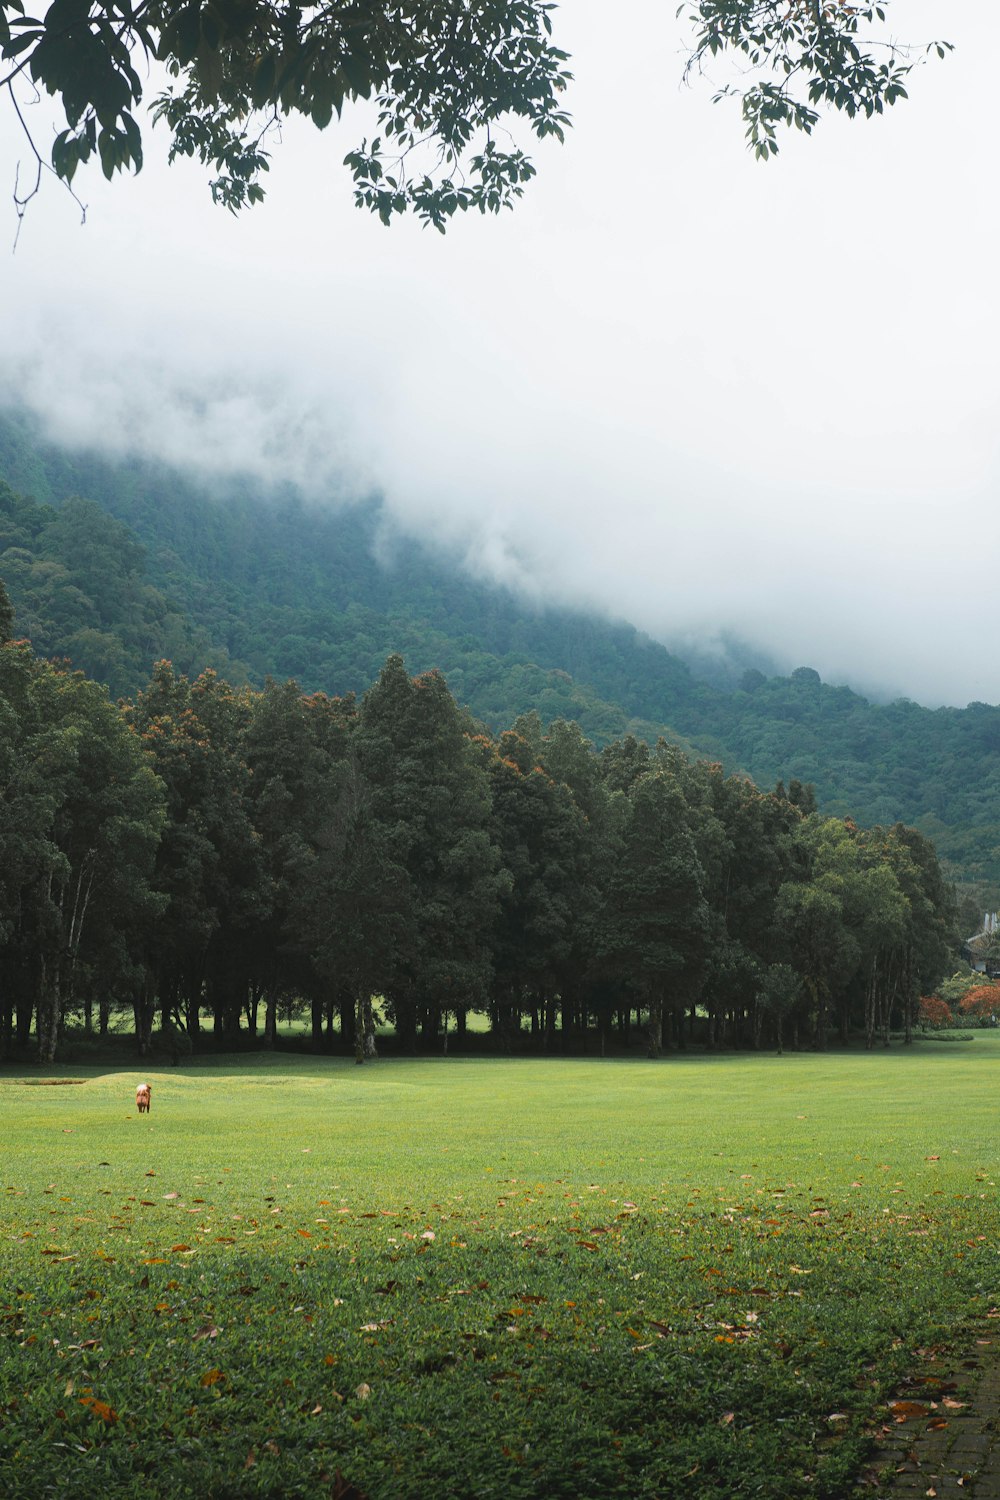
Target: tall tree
{"type": "Point", "coordinates": [431, 795]}
{"type": "Point", "coordinates": [655, 929]}
{"type": "Point", "coordinates": [303, 786]}
{"type": "Point", "coordinates": [84, 871]}
{"type": "Point", "coordinates": [541, 835]}
{"type": "Point", "coordinates": [209, 865]}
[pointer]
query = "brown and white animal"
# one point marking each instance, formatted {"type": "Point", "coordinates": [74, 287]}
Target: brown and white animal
{"type": "Point", "coordinates": [142, 1094]}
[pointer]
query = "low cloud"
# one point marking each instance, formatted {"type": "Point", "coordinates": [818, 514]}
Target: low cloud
{"type": "Point", "coordinates": [721, 400]}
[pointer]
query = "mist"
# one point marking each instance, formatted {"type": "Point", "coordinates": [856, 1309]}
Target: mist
{"type": "Point", "coordinates": [717, 398]}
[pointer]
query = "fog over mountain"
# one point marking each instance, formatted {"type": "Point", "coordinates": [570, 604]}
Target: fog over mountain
{"type": "Point", "coordinates": [715, 397]}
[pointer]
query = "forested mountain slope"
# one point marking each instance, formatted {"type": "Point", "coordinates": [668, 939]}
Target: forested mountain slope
{"type": "Point", "coordinates": [256, 584]}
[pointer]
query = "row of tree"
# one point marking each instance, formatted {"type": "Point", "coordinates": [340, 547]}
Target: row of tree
{"type": "Point", "coordinates": [208, 852]}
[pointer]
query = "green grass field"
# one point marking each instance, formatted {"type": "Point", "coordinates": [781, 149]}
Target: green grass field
{"type": "Point", "coordinates": [698, 1277]}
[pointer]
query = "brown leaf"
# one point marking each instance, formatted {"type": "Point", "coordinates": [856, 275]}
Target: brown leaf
{"type": "Point", "coordinates": [100, 1409]}
{"type": "Point", "coordinates": [212, 1377]}
{"type": "Point", "coordinates": [904, 1410]}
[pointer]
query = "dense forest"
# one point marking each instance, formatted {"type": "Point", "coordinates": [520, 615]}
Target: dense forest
{"type": "Point", "coordinates": [149, 565]}
{"type": "Point", "coordinates": [204, 849]}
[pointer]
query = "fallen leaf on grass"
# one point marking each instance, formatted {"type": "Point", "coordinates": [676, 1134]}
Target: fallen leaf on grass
{"type": "Point", "coordinates": [902, 1411]}
{"type": "Point", "coordinates": [100, 1409]}
{"type": "Point", "coordinates": [212, 1377]}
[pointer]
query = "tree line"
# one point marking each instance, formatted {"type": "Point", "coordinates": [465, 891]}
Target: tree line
{"type": "Point", "coordinates": [199, 854]}
{"type": "Point", "coordinates": [253, 585]}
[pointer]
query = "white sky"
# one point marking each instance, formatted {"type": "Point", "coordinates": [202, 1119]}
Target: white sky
{"type": "Point", "coordinates": [695, 391]}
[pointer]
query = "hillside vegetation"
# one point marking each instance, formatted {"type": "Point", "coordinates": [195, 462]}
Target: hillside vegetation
{"type": "Point", "coordinates": [148, 564]}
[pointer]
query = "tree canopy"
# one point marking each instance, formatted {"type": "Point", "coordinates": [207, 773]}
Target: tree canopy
{"type": "Point", "coordinates": [205, 849]}
{"type": "Point", "coordinates": [796, 56]}
{"type": "Point", "coordinates": [445, 79]}
{"type": "Point", "coordinates": [442, 78]}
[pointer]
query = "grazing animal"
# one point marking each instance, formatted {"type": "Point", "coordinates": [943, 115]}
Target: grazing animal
{"type": "Point", "coordinates": [142, 1094]}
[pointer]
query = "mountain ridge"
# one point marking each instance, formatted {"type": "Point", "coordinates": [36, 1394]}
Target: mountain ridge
{"type": "Point", "coordinates": [271, 585]}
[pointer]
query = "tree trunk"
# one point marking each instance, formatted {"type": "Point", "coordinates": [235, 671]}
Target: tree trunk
{"type": "Point", "coordinates": [48, 1011]}
{"type": "Point", "coordinates": [359, 1032]}
{"type": "Point", "coordinates": [144, 1011]}
{"type": "Point", "coordinates": [347, 1019]}
{"type": "Point", "coordinates": [271, 1018]}
{"type": "Point", "coordinates": [371, 1050]}
{"type": "Point", "coordinates": [24, 1010]}
{"type": "Point", "coordinates": [870, 1004]}
{"type": "Point", "coordinates": [653, 1027]}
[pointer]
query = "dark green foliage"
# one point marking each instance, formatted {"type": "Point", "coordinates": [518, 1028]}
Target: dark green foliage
{"type": "Point", "coordinates": [654, 933]}
{"type": "Point", "coordinates": [269, 586]}
{"type": "Point", "coordinates": [210, 848]}
{"type": "Point", "coordinates": [434, 78]}
{"type": "Point", "coordinates": [6, 615]}
{"type": "Point", "coordinates": [76, 579]}
{"type": "Point", "coordinates": [81, 813]}
{"type": "Point", "coordinates": [796, 58]}
{"type": "Point", "coordinates": [430, 792]}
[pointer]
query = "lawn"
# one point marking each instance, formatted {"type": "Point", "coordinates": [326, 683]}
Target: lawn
{"type": "Point", "coordinates": [695, 1277]}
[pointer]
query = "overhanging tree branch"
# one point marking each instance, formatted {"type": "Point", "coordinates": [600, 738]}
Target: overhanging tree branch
{"type": "Point", "coordinates": [802, 55]}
